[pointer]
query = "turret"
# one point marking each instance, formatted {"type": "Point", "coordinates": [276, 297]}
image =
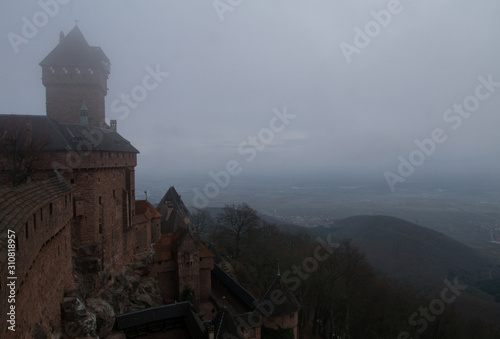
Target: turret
{"type": "Point", "coordinates": [74, 72]}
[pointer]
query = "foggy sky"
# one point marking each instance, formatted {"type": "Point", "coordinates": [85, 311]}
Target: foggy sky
{"type": "Point", "coordinates": [226, 77]}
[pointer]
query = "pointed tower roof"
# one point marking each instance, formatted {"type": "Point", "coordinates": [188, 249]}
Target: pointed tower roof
{"type": "Point", "coordinates": [73, 50]}
{"type": "Point", "coordinates": [224, 324]}
{"type": "Point", "coordinates": [281, 297]}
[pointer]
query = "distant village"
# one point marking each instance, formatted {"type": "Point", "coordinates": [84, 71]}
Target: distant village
{"type": "Point", "coordinates": [81, 257]}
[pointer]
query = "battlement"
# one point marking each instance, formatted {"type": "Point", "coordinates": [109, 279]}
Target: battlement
{"type": "Point", "coordinates": [75, 75]}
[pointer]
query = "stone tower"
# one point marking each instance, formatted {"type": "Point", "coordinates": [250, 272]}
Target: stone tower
{"type": "Point", "coordinates": [283, 318]}
{"type": "Point", "coordinates": [75, 74]}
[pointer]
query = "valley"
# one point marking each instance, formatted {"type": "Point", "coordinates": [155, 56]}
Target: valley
{"type": "Point", "coordinates": [468, 212]}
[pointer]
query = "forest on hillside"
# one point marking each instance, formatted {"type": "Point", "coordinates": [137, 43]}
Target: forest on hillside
{"type": "Point", "coordinates": [341, 294]}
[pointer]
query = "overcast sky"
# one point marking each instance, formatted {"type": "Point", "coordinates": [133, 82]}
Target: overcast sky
{"type": "Point", "coordinates": [356, 104]}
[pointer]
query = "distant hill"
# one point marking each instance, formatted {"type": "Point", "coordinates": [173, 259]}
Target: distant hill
{"type": "Point", "coordinates": [408, 252]}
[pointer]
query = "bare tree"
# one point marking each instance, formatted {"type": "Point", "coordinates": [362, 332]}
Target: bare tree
{"type": "Point", "coordinates": [20, 148]}
{"type": "Point", "coordinates": [239, 220]}
{"type": "Point", "coordinates": [201, 221]}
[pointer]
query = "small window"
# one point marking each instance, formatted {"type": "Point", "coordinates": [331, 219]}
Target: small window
{"type": "Point", "coordinates": [41, 214]}
{"type": "Point", "coordinates": [100, 228]}
{"type": "Point", "coordinates": [72, 181]}
{"type": "Point", "coordinates": [26, 228]}
{"type": "Point", "coordinates": [50, 209]}
{"type": "Point", "coordinates": [100, 200]}
{"type": "Point", "coordinates": [114, 193]}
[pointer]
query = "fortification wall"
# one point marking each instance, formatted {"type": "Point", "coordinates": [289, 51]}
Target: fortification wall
{"type": "Point", "coordinates": [283, 322]}
{"type": "Point", "coordinates": [43, 267]}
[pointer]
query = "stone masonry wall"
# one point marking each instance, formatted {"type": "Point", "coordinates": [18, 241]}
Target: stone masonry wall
{"type": "Point", "coordinates": [284, 322]}
{"type": "Point", "coordinates": [68, 87]}
{"type": "Point", "coordinates": [188, 266]}
{"type": "Point", "coordinates": [43, 267]}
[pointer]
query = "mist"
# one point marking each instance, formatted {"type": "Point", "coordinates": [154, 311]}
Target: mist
{"type": "Point", "coordinates": [365, 83]}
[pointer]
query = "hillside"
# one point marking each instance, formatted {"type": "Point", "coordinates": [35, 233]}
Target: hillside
{"type": "Point", "coordinates": [408, 252]}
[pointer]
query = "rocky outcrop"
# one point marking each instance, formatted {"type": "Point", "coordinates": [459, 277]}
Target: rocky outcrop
{"type": "Point", "coordinates": [94, 316]}
{"type": "Point", "coordinates": [77, 320]}
{"type": "Point", "coordinates": [142, 262]}
{"type": "Point", "coordinates": [105, 315]}
{"type": "Point", "coordinates": [131, 292]}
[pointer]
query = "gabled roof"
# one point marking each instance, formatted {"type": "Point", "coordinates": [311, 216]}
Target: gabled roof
{"type": "Point", "coordinates": [144, 212]}
{"type": "Point", "coordinates": [236, 289]}
{"type": "Point", "coordinates": [287, 305]}
{"type": "Point", "coordinates": [73, 50]}
{"type": "Point", "coordinates": [224, 325]}
{"type": "Point", "coordinates": [58, 136]}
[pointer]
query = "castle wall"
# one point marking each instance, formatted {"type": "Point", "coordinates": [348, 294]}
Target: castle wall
{"type": "Point", "coordinates": [166, 273]}
{"type": "Point", "coordinates": [104, 205]}
{"type": "Point", "coordinates": [43, 267]}
{"type": "Point", "coordinates": [107, 215]}
{"type": "Point", "coordinates": [251, 332]}
{"type": "Point", "coordinates": [205, 283]}
{"type": "Point", "coordinates": [142, 236]}
{"type": "Point", "coordinates": [283, 322]}
{"type": "Point", "coordinates": [40, 296]}
{"type": "Point", "coordinates": [155, 230]}
{"type": "Point", "coordinates": [188, 265]}
{"type": "Point", "coordinates": [206, 264]}
{"type": "Point", "coordinates": [68, 161]}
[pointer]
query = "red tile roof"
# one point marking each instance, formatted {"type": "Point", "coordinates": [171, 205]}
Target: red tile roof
{"type": "Point", "coordinates": [144, 212]}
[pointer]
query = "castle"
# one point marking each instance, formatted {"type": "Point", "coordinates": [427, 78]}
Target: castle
{"type": "Point", "coordinates": [69, 221]}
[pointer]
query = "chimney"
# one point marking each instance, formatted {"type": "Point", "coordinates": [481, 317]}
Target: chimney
{"type": "Point", "coordinates": [113, 125]}
{"type": "Point", "coordinates": [84, 114]}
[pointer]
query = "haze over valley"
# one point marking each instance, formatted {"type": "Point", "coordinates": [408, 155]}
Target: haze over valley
{"type": "Point", "coordinates": [342, 153]}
